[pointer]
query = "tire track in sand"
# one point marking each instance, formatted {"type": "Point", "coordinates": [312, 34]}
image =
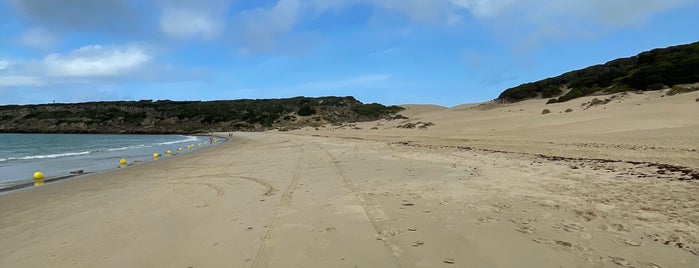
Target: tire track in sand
{"type": "Point", "coordinates": [353, 188]}
{"type": "Point", "coordinates": [262, 256]}
{"type": "Point", "coordinates": [270, 190]}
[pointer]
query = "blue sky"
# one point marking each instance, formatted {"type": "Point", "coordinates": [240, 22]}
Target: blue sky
{"type": "Point", "coordinates": [445, 52]}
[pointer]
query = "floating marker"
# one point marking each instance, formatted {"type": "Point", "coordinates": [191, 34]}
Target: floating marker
{"type": "Point", "coordinates": [200, 144]}
{"type": "Point", "coordinates": [156, 155]}
{"type": "Point", "coordinates": [123, 162]}
{"type": "Point", "coordinates": [179, 149]}
{"type": "Point", "coordinates": [168, 152]}
{"type": "Point", "coordinates": [38, 178]}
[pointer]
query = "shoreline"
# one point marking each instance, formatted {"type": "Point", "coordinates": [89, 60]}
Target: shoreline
{"type": "Point", "coordinates": [11, 187]}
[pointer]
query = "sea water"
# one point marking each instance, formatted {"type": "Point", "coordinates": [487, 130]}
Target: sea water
{"type": "Point", "coordinates": [56, 155]}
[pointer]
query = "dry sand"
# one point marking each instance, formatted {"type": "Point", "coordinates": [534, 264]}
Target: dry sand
{"type": "Point", "coordinates": [485, 186]}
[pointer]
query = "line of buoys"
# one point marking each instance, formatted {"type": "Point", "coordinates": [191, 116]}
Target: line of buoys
{"type": "Point", "coordinates": [38, 178]}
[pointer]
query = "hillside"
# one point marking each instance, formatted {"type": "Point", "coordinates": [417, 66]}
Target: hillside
{"type": "Point", "coordinates": [650, 70]}
{"type": "Point", "coordinates": [166, 116]}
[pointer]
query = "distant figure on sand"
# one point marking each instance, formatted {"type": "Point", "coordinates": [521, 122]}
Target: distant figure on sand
{"type": "Point", "coordinates": [211, 139]}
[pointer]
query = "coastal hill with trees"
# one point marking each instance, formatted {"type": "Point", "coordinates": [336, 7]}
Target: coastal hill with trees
{"type": "Point", "coordinates": [651, 70]}
{"type": "Point", "coordinates": [165, 116]}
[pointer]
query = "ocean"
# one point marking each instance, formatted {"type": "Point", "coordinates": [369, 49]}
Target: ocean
{"type": "Point", "coordinates": [56, 155]}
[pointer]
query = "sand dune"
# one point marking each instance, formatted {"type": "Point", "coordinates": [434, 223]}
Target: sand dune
{"type": "Point", "coordinates": [412, 110]}
{"type": "Point", "coordinates": [612, 185]}
{"type": "Point", "coordinates": [631, 126]}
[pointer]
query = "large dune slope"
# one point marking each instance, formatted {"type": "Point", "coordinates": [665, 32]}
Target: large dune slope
{"type": "Point", "coordinates": [647, 126]}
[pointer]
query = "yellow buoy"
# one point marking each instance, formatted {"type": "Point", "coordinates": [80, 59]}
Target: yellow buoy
{"type": "Point", "coordinates": [200, 144]}
{"type": "Point", "coordinates": [179, 149]}
{"type": "Point", "coordinates": [156, 155]}
{"type": "Point", "coordinates": [123, 162]}
{"type": "Point", "coordinates": [168, 152]}
{"type": "Point", "coordinates": [38, 178]}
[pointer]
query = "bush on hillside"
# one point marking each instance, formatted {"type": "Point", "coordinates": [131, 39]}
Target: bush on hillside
{"type": "Point", "coordinates": [306, 111]}
{"type": "Point", "coordinates": [650, 70]}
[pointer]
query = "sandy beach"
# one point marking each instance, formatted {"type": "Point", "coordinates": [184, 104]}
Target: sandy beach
{"type": "Point", "coordinates": [483, 185]}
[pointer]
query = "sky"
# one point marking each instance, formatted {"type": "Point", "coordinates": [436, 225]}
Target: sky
{"type": "Point", "coordinates": [444, 52]}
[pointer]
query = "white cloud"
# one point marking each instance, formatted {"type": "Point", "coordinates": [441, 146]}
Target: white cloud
{"type": "Point", "coordinates": [88, 64]}
{"type": "Point", "coordinates": [606, 12]}
{"type": "Point", "coordinates": [259, 28]}
{"type": "Point", "coordinates": [193, 21]}
{"type": "Point", "coordinates": [529, 21]}
{"type": "Point", "coordinates": [484, 8]}
{"type": "Point", "coordinates": [19, 81]}
{"type": "Point", "coordinates": [4, 65]}
{"type": "Point", "coordinates": [38, 38]}
{"type": "Point", "coordinates": [95, 61]}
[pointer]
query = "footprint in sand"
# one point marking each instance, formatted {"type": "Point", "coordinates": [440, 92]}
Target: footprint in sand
{"type": "Point", "coordinates": [586, 214]}
{"type": "Point", "coordinates": [418, 243]}
{"type": "Point", "coordinates": [523, 225]}
{"type": "Point", "coordinates": [616, 227]}
{"type": "Point", "coordinates": [486, 220]}
{"type": "Point", "coordinates": [563, 245]}
{"type": "Point", "coordinates": [626, 263]}
{"type": "Point", "coordinates": [500, 207]}
{"type": "Point", "coordinates": [626, 242]}
{"type": "Point", "coordinates": [573, 227]}
{"type": "Point", "coordinates": [526, 229]}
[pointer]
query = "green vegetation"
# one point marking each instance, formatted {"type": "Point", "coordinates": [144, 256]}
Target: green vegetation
{"type": "Point", "coordinates": [165, 116]}
{"type": "Point", "coordinates": [650, 70]}
{"type": "Point", "coordinates": [375, 110]}
{"type": "Point", "coordinates": [306, 111]}
{"type": "Point", "coordinates": [679, 89]}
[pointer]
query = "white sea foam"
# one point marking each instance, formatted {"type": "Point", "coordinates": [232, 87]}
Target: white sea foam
{"type": "Point", "coordinates": [130, 147]}
{"type": "Point", "coordinates": [189, 138]}
{"type": "Point", "coordinates": [44, 156]}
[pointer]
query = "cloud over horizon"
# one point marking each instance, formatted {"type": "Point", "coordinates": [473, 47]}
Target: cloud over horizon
{"type": "Point", "coordinates": [84, 63]}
